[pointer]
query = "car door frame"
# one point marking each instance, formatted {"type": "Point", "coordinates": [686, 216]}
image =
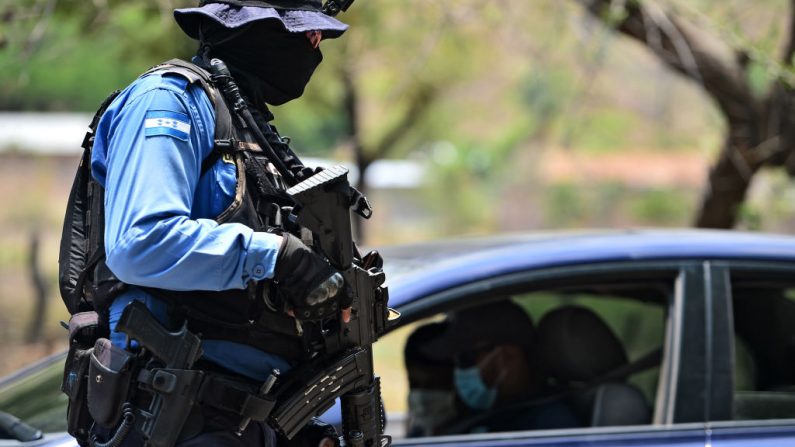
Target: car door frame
{"type": "Point", "coordinates": [680, 397]}
{"type": "Point", "coordinates": [704, 333]}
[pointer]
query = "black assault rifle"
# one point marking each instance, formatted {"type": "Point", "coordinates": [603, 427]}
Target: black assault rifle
{"type": "Point", "coordinates": [342, 364]}
{"type": "Point", "coordinates": [344, 367]}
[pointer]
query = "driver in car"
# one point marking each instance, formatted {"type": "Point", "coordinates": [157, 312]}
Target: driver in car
{"type": "Point", "coordinates": [498, 383]}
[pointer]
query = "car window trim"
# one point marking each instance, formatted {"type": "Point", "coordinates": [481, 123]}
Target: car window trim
{"type": "Point", "coordinates": [692, 399]}
{"type": "Point", "coordinates": [665, 400]}
{"type": "Point", "coordinates": [33, 368]}
{"type": "Point", "coordinates": [719, 330]}
{"type": "Point", "coordinates": [429, 305]}
{"type": "Point", "coordinates": [591, 435]}
{"type": "Point", "coordinates": [769, 270]}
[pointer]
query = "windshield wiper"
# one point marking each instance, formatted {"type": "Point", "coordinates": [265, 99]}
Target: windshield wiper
{"type": "Point", "coordinates": [11, 427]}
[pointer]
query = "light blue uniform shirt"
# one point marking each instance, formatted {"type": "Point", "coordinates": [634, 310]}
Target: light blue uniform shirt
{"type": "Point", "coordinates": [159, 209]}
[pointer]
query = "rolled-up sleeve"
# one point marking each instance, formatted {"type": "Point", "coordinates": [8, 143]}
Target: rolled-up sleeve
{"type": "Point", "coordinates": [154, 151]}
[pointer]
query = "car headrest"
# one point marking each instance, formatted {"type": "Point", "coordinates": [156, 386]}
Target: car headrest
{"type": "Point", "coordinates": [574, 344]}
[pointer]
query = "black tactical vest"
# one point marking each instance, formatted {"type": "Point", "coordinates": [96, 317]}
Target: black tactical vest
{"type": "Point", "coordinates": [246, 316]}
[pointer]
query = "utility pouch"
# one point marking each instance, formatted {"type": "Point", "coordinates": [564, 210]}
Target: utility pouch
{"type": "Point", "coordinates": [83, 330]}
{"type": "Point", "coordinates": [109, 382]}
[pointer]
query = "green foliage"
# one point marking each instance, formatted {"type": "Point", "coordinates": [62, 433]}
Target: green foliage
{"type": "Point", "coordinates": [661, 207]}
{"type": "Point", "coordinates": [78, 53]}
{"type": "Point", "coordinates": [544, 93]}
{"type": "Point", "coordinates": [463, 188]}
{"type": "Point", "coordinates": [564, 206]}
{"type": "Point", "coordinates": [12, 254]}
{"type": "Point", "coordinates": [770, 205]}
{"type": "Point", "coordinates": [604, 130]}
{"type": "Point", "coordinates": [759, 78]}
{"type": "Point", "coordinates": [607, 204]}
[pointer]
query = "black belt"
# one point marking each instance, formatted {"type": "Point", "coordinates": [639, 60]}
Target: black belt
{"type": "Point", "coordinates": [230, 394]}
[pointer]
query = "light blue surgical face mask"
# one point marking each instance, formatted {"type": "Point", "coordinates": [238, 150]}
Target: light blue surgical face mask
{"type": "Point", "coordinates": [472, 390]}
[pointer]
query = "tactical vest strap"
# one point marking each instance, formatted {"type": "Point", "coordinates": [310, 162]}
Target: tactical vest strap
{"type": "Point", "coordinates": [235, 397]}
{"type": "Point", "coordinates": [193, 73]}
{"type": "Point", "coordinates": [224, 128]}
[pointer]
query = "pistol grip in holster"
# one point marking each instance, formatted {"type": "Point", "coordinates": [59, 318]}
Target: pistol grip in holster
{"type": "Point", "coordinates": [168, 378]}
{"type": "Point", "coordinates": [174, 395]}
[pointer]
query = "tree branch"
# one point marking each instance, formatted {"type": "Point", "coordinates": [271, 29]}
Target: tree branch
{"type": "Point", "coordinates": [789, 49]}
{"type": "Point", "coordinates": [419, 102]}
{"type": "Point", "coordinates": [41, 289]}
{"type": "Point", "coordinates": [687, 51]}
{"type": "Point", "coordinates": [683, 48]}
{"type": "Point", "coordinates": [350, 104]}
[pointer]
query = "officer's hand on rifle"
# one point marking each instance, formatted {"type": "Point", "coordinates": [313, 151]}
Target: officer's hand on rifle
{"type": "Point", "coordinates": [312, 288]}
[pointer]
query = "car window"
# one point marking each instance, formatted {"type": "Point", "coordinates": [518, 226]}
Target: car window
{"type": "Point", "coordinates": [593, 361]}
{"type": "Point", "coordinates": [764, 351]}
{"type": "Point", "coordinates": [35, 397]}
{"type": "Point", "coordinates": [638, 324]}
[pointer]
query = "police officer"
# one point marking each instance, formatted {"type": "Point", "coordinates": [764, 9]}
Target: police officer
{"type": "Point", "coordinates": [165, 234]}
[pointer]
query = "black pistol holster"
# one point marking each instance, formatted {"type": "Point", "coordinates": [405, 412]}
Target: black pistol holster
{"type": "Point", "coordinates": [154, 389]}
{"type": "Point", "coordinates": [83, 328]}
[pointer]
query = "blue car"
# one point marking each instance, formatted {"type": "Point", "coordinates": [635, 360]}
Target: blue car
{"type": "Point", "coordinates": [694, 332]}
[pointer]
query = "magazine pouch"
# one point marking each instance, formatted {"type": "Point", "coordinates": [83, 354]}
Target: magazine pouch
{"type": "Point", "coordinates": [83, 330]}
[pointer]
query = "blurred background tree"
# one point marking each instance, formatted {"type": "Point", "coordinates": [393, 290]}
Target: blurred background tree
{"type": "Point", "coordinates": [748, 77]}
{"type": "Point", "coordinates": [69, 54]}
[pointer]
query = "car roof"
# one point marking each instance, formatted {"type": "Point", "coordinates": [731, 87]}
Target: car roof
{"type": "Point", "coordinates": [418, 270]}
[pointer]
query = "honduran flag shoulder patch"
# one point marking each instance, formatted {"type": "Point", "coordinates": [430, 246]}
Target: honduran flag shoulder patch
{"type": "Point", "coordinates": [166, 122]}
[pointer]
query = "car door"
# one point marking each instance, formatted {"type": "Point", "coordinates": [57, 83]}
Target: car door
{"type": "Point", "coordinates": [679, 406]}
{"type": "Point", "coordinates": [759, 343]}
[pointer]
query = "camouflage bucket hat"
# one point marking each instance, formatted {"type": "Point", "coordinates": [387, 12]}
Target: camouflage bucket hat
{"type": "Point", "coordinates": [297, 16]}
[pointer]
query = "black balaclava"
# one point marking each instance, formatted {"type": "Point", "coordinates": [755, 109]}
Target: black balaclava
{"type": "Point", "coordinates": [270, 64]}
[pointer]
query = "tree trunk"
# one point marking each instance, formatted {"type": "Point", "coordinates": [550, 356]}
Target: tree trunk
{"type": "Point", "coordinates": [725, 191]}
{"type": "Point", "coordinates": [40, 290]}
{"type": "Point", "coordinates": [351, 107]}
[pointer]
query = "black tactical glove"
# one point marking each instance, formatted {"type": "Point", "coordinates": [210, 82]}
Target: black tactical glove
{"type": "Point", "coordinates": [307, 281]}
